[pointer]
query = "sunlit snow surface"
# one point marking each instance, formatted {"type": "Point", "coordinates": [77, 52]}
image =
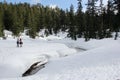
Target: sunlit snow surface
{"type": "Point", "coordinates": [99, 61]}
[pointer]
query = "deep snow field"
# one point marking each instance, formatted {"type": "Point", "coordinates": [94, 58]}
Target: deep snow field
{"type": "Point", "coordinates": [66, 59]}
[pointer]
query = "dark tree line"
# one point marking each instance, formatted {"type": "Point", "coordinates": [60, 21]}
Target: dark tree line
{"type": "Point", "coordinates": [96, 22]}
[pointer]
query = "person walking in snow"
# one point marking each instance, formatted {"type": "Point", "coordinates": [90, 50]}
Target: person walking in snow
{"type": "Point", "coordinates": [17, 42]}
{"type": "Point", "coordinates": [21, 42]}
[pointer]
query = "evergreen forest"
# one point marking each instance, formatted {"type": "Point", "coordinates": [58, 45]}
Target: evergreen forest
{"type": "Point", "coordinates": [96, 22]}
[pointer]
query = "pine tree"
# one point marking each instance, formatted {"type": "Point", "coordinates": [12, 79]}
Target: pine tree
{"type": "Point", "coordinates": [1, 20]}
{"type": "Point", "coordinates": [26, 15]}
{"type": "Point", "coordinates": [40, 17]}
{"type": "Point", "coordinates": [90, 20]}
{"type": "Point", "coordinates": [109, 18]}
{"type": "Point", "coordinates": [58, 24]}
{"type": "Point", "coordinates": [7, 18]}
{"type": "Point", "coordinates": [72, 28]}
{"type": "Point", "coordinates": [17, 26]}
{"type": "Point", "coordinates": [87, 24]}
{"type": "Point", "coordinates": [116, 27]}
{"type": "Point", "coordinates": [100, 21]}
{"type": "Point", "coordinates": [32, 24]}
{"type": "Point", "coordinates": [80, 19]}
{"type": "Point", "coordinates": [91, 10]}
{"type": "Point", "coordinates": [63, 20]}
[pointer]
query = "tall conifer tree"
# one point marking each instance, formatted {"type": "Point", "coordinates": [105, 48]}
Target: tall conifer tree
{"type": "Point", "coordinates": [72, 28]}
{"type": "Point", "coordinates": [80, 19]}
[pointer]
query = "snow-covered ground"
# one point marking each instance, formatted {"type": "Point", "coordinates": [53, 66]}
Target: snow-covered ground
{"type": "Point", "coordinates": [99, 61]}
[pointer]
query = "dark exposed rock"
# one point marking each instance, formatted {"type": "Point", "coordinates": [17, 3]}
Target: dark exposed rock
{"type": "Point", "coordinates": [34, 68]}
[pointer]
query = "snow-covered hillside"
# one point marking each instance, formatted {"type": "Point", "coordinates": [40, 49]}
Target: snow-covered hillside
{"type": "Point", "coordinates": [66, 59]}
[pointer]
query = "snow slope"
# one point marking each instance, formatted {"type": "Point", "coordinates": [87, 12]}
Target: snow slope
{"type": "Point", "coordinates": [100, 61]}
{"type": "Point", "coordinates": [14, 61]}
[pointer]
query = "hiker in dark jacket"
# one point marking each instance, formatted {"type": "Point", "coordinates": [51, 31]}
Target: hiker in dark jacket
{"type": "Point", "coordinates": [21, 42]}
{"type": "Point", "coordinates": [17, 42]}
